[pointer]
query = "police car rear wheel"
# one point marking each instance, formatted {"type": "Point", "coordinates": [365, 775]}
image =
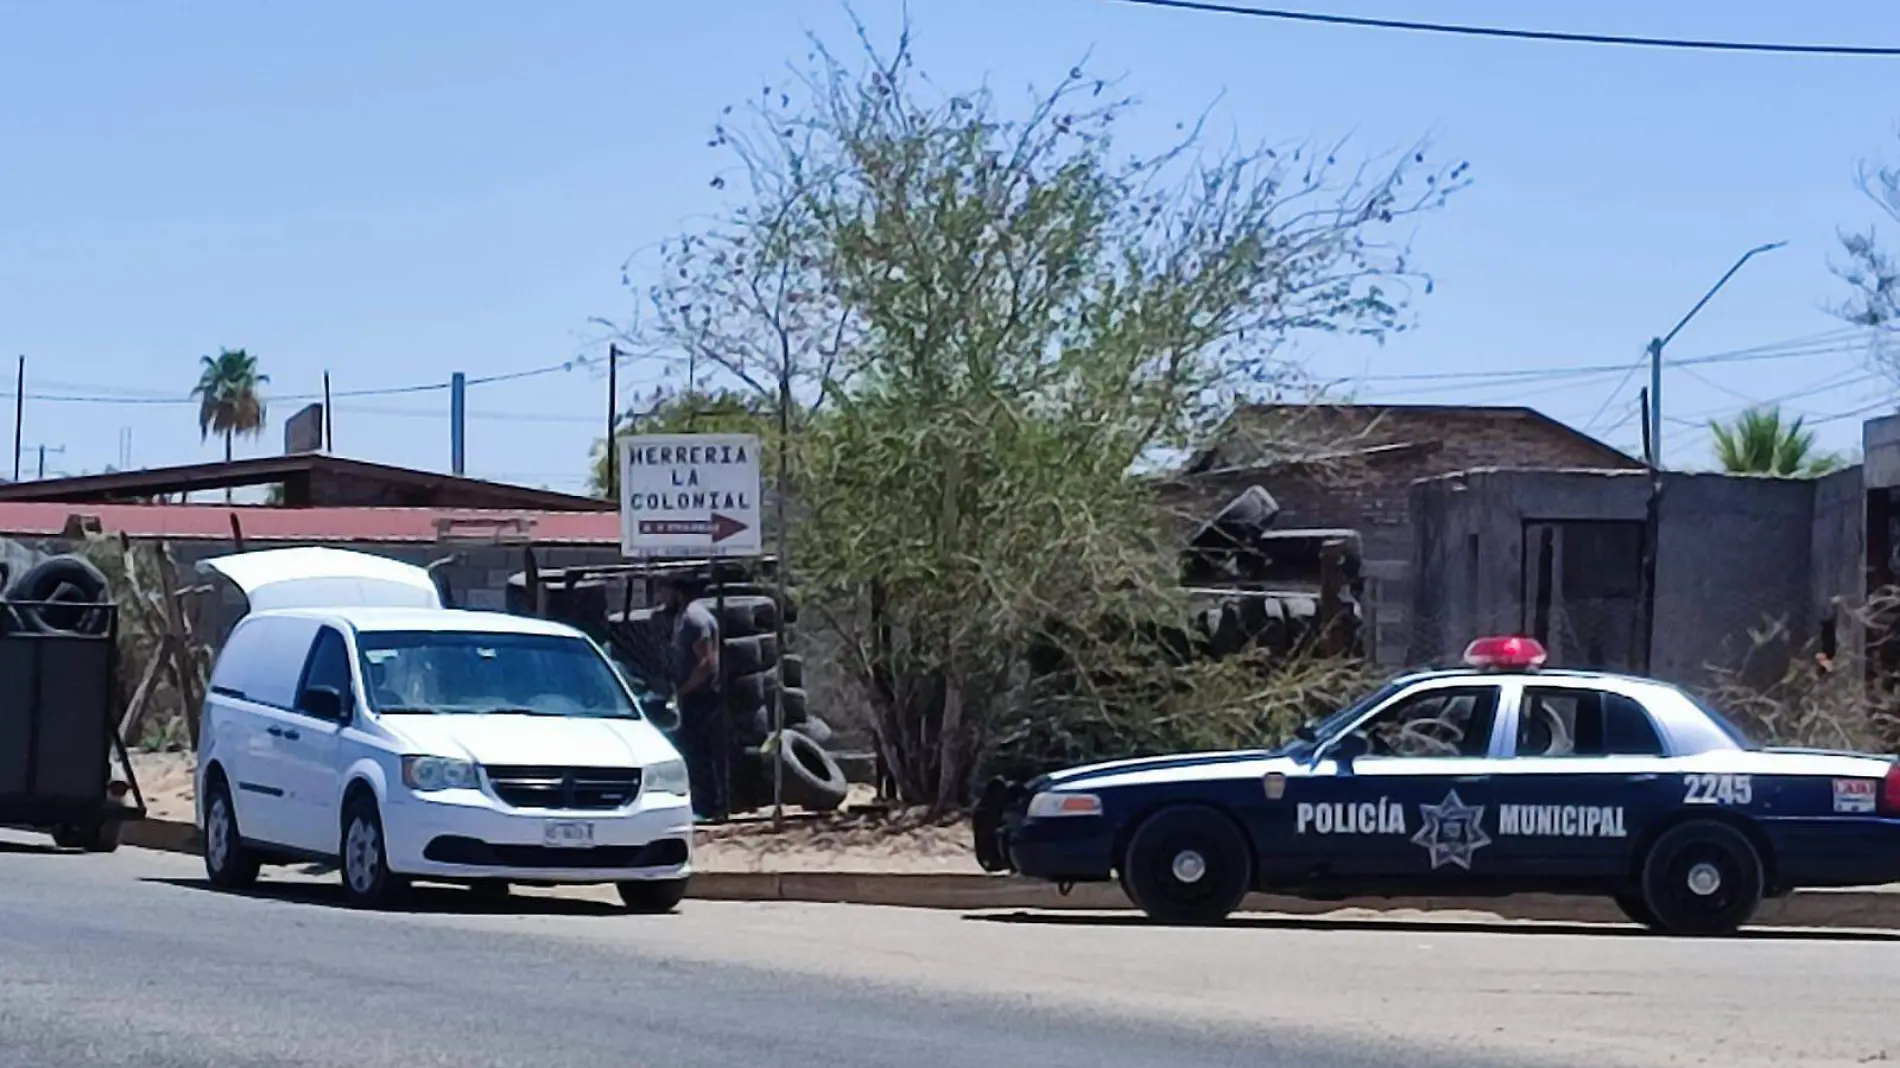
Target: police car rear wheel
{"type": "Point", "coordinates": [1702, 878]}
{"type": "Point", "coordinates": [1188, 865]}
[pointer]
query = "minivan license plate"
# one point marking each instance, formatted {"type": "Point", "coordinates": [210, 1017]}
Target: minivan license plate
{"type": "Point", "coordinates": [562, 835]}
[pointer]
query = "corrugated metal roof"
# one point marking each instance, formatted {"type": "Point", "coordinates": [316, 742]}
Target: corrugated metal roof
{"type": "Point", "coordinates": [200, 522]}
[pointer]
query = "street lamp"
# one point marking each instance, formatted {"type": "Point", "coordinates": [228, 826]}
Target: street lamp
{"type": "Point", "coordinates": [1656, 346]}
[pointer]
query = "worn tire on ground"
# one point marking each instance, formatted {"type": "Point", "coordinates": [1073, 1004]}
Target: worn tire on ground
{"type": "Point", "coordinates": [813, 779]}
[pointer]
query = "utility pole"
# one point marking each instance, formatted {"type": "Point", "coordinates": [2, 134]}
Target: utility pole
{"type": "Point", "coordinates": [19, 415]}
{"type": "Point", "coordinates": [43, 448]}
{"type": "Point", "coordinates": [611, 457]}
{"type": "Point", "coordinates": [458, 412]}
{"type": "Point", "coordinates": [1653, 454]}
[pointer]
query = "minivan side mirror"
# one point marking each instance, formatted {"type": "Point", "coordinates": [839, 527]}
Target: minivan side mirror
{"type": "Point", "coordinates": [323, 702]}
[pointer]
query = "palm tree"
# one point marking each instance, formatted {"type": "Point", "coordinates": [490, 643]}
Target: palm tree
{"type": "Point", "coordinates": [1757, 442]}
{"type": "Point", "coordinates": [228, 400]}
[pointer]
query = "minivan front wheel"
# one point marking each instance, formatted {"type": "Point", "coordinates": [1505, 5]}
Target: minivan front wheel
{"type": "Point", "coordinates": [367, 880]}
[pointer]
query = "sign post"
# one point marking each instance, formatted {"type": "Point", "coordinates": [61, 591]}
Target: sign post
{"type": "Point", "coordinates": [694, 496]}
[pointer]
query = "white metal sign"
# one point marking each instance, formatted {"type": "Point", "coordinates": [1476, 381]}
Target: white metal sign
{"type": "Point", "coordinates": [690, 495]}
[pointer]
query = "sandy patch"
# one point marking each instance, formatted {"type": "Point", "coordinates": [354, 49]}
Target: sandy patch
{"type": "Point", "coordinates": [861, 838]}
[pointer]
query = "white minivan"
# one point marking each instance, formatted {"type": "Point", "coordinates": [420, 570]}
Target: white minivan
{"type": "Point", "coordinates": [352, 719]}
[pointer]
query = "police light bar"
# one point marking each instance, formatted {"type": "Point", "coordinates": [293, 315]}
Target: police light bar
{"type": "Point", "coordinates": [1509, 653]}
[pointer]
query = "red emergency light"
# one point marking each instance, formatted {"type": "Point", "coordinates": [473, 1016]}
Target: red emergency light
{"type": "Point", "coordinates": [1890, 792]}
{"type": "Point", "coordinates": [1513, 653]}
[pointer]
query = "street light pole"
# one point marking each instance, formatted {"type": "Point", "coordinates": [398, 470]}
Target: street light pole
{"type": "Point", "coordinates": [1656, 346]}
{"type": "Point", "coordinates": [1652, 510]}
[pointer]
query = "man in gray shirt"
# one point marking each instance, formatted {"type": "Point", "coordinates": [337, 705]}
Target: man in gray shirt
{"type": "Point", "coordinates": [694, 665]}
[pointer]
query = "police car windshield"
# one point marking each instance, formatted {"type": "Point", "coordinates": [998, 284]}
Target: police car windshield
{"type": "Point", "coordinates": [1318, 733]}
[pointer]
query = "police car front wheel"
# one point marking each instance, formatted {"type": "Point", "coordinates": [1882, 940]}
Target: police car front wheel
{"type": "Point", "coordinates": [1188, 864]}
{"type": "Point", "coordinates": [1702, 878]}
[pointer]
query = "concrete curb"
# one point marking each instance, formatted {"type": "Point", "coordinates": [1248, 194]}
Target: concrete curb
{"type": "Point", "coordinates": [1857, 909]}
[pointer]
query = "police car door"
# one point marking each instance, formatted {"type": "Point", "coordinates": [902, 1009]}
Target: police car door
{"type": "Point", "coordinates": [1584, 780]}
{"type": "Point", "coordinates": [1405, 792]}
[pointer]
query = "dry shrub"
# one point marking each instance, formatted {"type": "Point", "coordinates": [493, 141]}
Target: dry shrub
{"type": "Point", "coordinates": [1240, 702]}
{"type": "Point", "coordinates": [1819, 701]}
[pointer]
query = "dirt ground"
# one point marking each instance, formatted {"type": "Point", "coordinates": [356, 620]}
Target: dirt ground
{"type": "Point", "coordinates": [846, 841]}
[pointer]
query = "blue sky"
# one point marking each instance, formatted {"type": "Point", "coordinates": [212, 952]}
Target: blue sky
{"type": "Point", "coordinates": [396, 192]}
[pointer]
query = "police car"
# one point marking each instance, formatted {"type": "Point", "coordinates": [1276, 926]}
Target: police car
{"type": "Point", "coordinates": [1499, 778]}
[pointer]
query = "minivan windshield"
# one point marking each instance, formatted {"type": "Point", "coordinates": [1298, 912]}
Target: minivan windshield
{"type": "Point", "coordinates": [469, 673]}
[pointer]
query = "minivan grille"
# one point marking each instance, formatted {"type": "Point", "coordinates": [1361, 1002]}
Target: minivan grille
{"type": "Point", "coordinates": [532, 786]}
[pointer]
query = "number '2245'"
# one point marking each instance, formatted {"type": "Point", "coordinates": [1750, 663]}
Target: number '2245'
{"type": "Point", "coordinates": [1718, 789]}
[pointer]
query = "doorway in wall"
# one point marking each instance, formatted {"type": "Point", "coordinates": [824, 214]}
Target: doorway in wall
{"type": "Point", "coordinates": [1582, 594]}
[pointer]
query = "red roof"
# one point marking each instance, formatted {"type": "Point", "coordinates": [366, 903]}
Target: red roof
{"type": "Point", "coordinates": [201, 522]}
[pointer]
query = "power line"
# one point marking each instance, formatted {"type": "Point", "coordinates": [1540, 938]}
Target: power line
{"type": "Point", "coordinates": [113, 395]}
{"type": "Point", "coordinates": [1522, 35]}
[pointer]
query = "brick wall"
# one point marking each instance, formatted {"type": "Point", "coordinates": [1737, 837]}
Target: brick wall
{"type": "Point", "coordinates": [1370, 456]}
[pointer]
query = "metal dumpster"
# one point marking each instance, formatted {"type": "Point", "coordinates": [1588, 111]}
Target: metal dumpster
{"type": "Point", "coordinates": [59, 729]}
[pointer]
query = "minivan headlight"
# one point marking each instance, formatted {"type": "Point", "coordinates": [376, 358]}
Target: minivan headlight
{"type": "Point", "coordinates": [427, 774]}
{"type": "Point", "coordinates": [667, 777]}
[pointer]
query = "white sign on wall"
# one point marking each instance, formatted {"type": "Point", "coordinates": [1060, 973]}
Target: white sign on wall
{"type": "Point", "coordinates": [690, 495]}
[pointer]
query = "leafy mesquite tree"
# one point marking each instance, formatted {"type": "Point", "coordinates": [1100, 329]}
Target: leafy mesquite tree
{"type": "Point", "coordinates": [991, 317]}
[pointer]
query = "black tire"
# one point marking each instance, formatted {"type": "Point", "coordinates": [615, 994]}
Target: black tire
{"type": "Point", "coordinates": [791, 670]}
{"type": "Point", "coordinates": [1637, 910]}
{"type": "Point", "coordinates": [101, 837]}
{"type": "Point", "coordinates": [229, 864]}
{"type": "Point", "coordinates": [652, 896]}
{"type": "Point", "coordinates": [1702, 878]}
{"type": "Point", "coordinates": [797, 708]}
{"type": "Point", "coordinates": [748, 656]}
{"type": "Point", "coordinates": [747, 692]}
{"type": "Point", "coordinates": [1189, 865]}
{"type": "Point", "coordinates": [367, 881]}
{"type": "Point", "coordinates": [813, 779]}
{"type": "Point", "coordinates": [744, 616]}
{"type": "Point", "coordinates": [816, 729]}
{"type": "Point", "coordinates": [72, 591]}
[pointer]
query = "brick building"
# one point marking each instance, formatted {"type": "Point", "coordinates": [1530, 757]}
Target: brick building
{"type": "Point", "coordinates": [1352, 466]}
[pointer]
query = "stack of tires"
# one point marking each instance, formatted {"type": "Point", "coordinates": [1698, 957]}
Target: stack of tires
{"type": "Point", "coordinates": [60, 595]}
{"type": "Point", "coordinates": [758, 677]}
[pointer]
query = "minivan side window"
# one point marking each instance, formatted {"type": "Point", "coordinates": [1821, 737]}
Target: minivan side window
{"type": "Point", "coordinates": [329, 665]}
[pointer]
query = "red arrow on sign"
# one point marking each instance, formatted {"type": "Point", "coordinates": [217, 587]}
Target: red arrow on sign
{"type": "Point", "coordinates": [719, 527]}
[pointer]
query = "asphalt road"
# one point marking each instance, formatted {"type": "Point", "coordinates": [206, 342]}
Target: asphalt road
{"type": "Point", "coordinates": [130, 960]}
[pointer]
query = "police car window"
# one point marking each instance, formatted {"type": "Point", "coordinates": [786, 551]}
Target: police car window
{"type": "Point", "coordinates": [1584, 723]}
{"type": "Point", "coordinates": [1443, 723]}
